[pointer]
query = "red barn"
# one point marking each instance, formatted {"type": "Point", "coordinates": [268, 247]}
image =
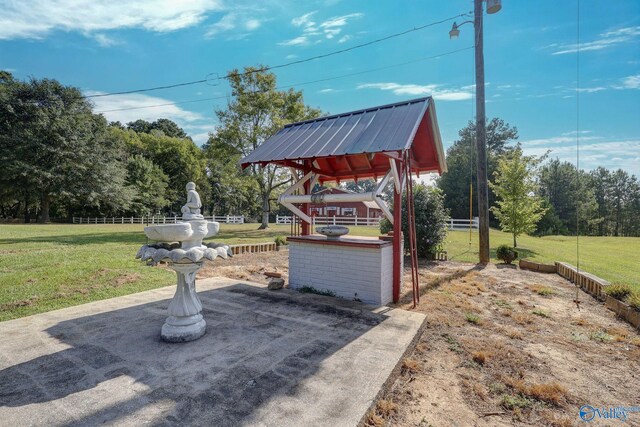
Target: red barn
{"type": "Point", "coordinates": [359, 209]}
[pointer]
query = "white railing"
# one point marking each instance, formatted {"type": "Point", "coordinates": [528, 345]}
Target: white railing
{"type": "Point", "coordinates": [227, 219]}
{"type": "Point", "coordinates": [463, 224]}
{"type": "Point", "coordinates": [336, 220]}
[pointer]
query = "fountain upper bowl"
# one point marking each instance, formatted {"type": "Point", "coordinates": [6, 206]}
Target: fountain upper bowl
{"type": "Point", "coordinates": [189, 233]}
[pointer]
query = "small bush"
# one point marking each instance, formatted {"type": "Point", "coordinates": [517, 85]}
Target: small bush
{"type": "Point", "coordinates": [543, 290]}
{"type": "Point", "coordinates": [473, 318]}
{"type": "Point", "coordinates": [280, 241]}
{"type": "Point", "coordinates": [506, 253]}
{"type": "Point", "coordinates": [431, 220]}
{"type": "Point", "coordinates": [634, 300]}
{"type": "Point", "coordinates": [514, 402]}
{"type": "Point", "coordinates": [541, 313]}
{"type": "Point", "coordinates": [601, 336]}
{"type": "Point", "coordinates": [503, 304]}
{"type": "Point", "coordinates": [618, 291]}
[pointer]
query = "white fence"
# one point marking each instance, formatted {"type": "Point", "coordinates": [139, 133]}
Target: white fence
{"type": "Point", "coordinates": [227, 219]}
{"type": "Point", "coordinates": [463, 224]}
{"type": "Point", "coordinates": [336, 220]}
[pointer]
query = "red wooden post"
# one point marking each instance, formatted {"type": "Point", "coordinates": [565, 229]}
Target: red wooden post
{"type": "Point", "coordinates": [306, 228]}
{"type": "Point", "coordinates": [397, 242]}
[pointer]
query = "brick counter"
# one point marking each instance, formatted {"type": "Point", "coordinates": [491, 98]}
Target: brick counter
{"type": "Point", "coordinates": [353, 268]}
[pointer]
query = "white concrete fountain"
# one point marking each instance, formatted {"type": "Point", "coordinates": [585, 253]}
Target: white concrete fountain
{"type": "Point", "coordinates": [180, 245]}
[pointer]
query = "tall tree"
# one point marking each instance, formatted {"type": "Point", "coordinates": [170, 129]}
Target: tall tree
{"type": "Point", "coordinates": [54, 148]}
{"type": "Point", "coordinates": [518, 208]}
{"type": "Point", "coordinates": [570, 193]}
{"type": "Point", "coordinates": [150, 185]}
{"type": "Point", "coordinates": [168, 127]}
{"type": "Point", "coordinates": [256, 112]}
{"type": "Point", "coordinates": [180, 159]}
{"type": "Point", "coordinates": [232, 191]}
{"type": "Point", "coordinates": [461, 165]}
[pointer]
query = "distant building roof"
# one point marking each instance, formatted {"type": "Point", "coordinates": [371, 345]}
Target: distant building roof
{"type": "Point", "coordinates": [357, 144]}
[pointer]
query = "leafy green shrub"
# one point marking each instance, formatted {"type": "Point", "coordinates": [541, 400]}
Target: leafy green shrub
{"type": "Point", "coordinates": [473, 318]}
{"type": "Point", "coordinates": [634, 300]}
{"type": "Point", "coordinates": [280, 240]}
{"type": "Point", "coordinates": [541, 313]}
{"type": "Point", "coordinates": [618, 291]}
{"type": "Point", "coordinates": [431, 220]}
{"type": "Point", "coordinates": [506, 253]}
{"type": "Point", "coordinates": [514, 402]}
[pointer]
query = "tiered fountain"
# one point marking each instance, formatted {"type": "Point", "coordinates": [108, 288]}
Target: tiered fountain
{"type": "Point", "coordinates": [180, 245]}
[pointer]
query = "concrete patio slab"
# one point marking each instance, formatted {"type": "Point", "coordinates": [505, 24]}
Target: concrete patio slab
{"type": "Point", "coordinates": [269, 358]}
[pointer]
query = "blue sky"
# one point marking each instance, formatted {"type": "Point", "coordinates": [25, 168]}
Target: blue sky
{"type": "Point", "coordinates": [530, 61]}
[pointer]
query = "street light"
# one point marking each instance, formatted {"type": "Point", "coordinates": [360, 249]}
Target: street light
{"type": "Point", "coordinates": [493, 6]}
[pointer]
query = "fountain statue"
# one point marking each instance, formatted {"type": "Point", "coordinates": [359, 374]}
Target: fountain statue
{"type": "Point", "coordinates": [180, 245]}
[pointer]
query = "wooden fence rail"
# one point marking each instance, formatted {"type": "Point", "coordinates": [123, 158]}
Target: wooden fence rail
{"type": "Point", "coordinates": [463, 224]}
{"type": "Point", "coordinates": [227, 219]}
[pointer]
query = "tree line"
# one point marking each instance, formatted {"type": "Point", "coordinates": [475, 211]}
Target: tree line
{"type": "Point", "coordinates": [600, 202]}
{"type": "Point", "coordinates": [60, 159]}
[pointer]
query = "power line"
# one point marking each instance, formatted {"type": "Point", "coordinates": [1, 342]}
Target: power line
{"type": "Point", "coordinates": [287, 64]}
{"type": "Point", "coordinates": [297, 84]}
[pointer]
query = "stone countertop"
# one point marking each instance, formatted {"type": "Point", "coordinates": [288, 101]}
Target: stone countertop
{"type": "Point", "coordinates": [357, 241]}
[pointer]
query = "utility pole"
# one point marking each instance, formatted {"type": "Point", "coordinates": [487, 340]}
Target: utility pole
{"type": "Point", "coordinates": [481, 136]}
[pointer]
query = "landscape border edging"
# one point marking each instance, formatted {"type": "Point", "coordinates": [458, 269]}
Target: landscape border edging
{"type": "Point", "coordinates": [534, 266]}
{"type": "Point", "coordinates": [596, 287]}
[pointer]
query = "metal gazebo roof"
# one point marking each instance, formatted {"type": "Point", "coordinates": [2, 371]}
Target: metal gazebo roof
{"type": "Point", "coordinates": [358, 144]}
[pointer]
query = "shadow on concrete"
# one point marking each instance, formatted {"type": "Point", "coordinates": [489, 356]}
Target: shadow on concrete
{"type": "Point", "coordinates": [259, 345]}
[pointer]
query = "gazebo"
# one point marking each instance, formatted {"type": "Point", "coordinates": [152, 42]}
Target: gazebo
{"type": "Point", "coordinates": [390, 142]}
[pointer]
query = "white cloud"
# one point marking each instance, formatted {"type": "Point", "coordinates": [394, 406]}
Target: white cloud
{"type": "Point", "coordinates": [327, 90]}
{"type": "Point", "coordinates": [291, 56]}
{"type": "Point", "coordinates": [105, 41]}
{"type": "Point", "coordinates": [437, 91]}
{"type": "Point", "coordinates": [234, 22]}
{"type": "Point", "coordinates": [314, 32]}
{"type": "Point", "coordinates": [631, 82]}
{"type": "Point", "coordinates": [35, 19]}
{"type": "Point", "coordinates": [590, 89]}
{"type": "Point", "coordinates": [606, 40]}
{"type": "Point", "coordinates": [611, 154]}
{"type": "Point", "coordinates": [107, 104]}
{"type": "Point", "coordinates": [303, 20]}
{"type": "Point", "coordinates": [575, 132]}
{"type": "Point", "coordinates": [566, 138]}
{"type": "Point", "coordinates": [226, 23]}
{"type": "Point", "coordinates": [339, 21]}
{"type": "Point", "coordinates": [252, 24]}
{"type": "Point", "coordinates": [295, 42]}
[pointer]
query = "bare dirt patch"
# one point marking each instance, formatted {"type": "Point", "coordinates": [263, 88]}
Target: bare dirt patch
{"type": "Point", "coordinates": [502, 347]}
{"type": "Point", "coordinates": [509, 347]}
{"type": "Point", "coordinates": [250, 267]}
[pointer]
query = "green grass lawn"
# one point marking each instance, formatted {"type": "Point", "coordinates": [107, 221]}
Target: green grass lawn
{"type": "Point", "coordinates": [45, 267]}
{"type": "Point", "coordinates": [612, 258]}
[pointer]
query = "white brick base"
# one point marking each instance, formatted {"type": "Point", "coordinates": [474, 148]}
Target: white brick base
{"type": "Point", "coordinates": [363, 272]}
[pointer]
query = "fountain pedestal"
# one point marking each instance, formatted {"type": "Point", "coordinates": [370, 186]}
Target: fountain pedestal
{"type": "Point", "coordinates": [185, 323]}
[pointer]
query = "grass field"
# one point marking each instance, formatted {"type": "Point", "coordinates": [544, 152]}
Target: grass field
{"type": "Point", "coordinates": [44, 267]}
